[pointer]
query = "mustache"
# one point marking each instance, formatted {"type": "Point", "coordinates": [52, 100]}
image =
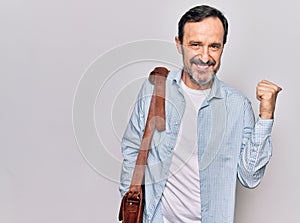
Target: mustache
{"type": "Point", "coordinates": [198, 61]}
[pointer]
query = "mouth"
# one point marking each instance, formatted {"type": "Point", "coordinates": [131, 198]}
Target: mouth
{"type": "Point", "coordinates": [202, 67]}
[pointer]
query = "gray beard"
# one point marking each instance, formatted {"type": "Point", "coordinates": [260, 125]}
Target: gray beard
{"type": "Point", "coordinates": [200, 82]}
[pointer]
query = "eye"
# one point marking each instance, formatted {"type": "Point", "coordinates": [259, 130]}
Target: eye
{"type": "Point", "coordinates": [195, 45]}
{"type": "Point", "coordinates": [215, 46]}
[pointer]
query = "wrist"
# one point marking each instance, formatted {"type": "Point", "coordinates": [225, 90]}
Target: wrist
{"type": "Point", "coordinates": [266, 115]}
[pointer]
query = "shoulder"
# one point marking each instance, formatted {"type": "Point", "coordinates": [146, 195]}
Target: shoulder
{"type": "Point", "coordinates": [233, 94]}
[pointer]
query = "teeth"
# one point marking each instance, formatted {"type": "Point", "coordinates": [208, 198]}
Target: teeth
{"type": "Point", "coordinates": [202, 67]}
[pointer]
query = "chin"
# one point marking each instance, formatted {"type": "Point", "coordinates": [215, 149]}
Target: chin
{"type": "Point", "coordinates": [204, 81]}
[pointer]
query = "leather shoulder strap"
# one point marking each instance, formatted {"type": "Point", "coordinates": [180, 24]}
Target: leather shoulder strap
{"type": "Point", "coordinates": [156, 120]}
{"type": "Point", "coordinates": [158, 77]}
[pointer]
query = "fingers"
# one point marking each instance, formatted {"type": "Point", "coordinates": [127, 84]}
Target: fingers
{"type": "Point", "coordinates": [268, 84]}
{"type": "Point", "coordinates": [266, 90]}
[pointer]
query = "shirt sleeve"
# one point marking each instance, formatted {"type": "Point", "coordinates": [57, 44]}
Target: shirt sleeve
{"type": "Point", "coordinates": [131, 140]}
{"type": "Point", "coordinates": [256, 148]}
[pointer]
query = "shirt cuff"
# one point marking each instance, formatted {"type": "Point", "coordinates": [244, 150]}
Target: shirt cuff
{"type": "Point", "coordinates": [264, 126]}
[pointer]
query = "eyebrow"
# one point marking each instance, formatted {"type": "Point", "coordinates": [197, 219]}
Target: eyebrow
{"type": "Point", "coordinates": [199, 42]}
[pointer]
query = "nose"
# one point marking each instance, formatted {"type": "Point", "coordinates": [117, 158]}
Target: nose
{"type": "Point", "coordinates": [204, 54]}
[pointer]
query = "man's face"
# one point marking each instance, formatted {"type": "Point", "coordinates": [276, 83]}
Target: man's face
{"type": "Point", "coordinates": [201, 48]}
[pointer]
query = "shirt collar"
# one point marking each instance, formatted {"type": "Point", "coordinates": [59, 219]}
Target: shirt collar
{"type": "Point", "coordinates": [215, 89]}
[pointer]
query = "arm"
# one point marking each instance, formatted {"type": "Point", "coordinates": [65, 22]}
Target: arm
{"type": "Point", "coordinates": [256, 148]}
{"type": "Point", "coordinates": [256, 145]}
{"type": "Point", "coordinates": [132, 138]}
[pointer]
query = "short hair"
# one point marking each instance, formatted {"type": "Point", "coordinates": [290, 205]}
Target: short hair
{"type": "Point", "coordinates": [197, 14]}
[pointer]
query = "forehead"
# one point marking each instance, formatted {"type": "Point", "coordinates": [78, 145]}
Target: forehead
{"type": "Point", "coordinates": [210, 27]}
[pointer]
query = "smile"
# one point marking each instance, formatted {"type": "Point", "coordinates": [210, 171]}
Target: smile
{"type": "Point", "coordinates": [202, 67]}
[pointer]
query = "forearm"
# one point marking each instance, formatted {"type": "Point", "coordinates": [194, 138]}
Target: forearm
{"type": "Point", "coordinates": [130, 148]}
{"type": "Point", "coordinates": [255, 153]}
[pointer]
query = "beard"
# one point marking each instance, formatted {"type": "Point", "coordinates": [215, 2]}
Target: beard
{"type": "Point", "coordinates": [201, 76]}
{"type": "Point", "coordinates": [201, 81]}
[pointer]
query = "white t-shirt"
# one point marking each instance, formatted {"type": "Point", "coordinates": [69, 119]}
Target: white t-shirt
{"type": "Point", "coordinates": [181, 198]}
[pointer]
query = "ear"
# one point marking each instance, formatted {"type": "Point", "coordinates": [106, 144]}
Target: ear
{"type": "Point", "coordinates": [178, 45]}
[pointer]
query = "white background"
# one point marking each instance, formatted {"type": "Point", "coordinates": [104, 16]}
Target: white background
{"type": "Point", "coordinates": [46, 47]}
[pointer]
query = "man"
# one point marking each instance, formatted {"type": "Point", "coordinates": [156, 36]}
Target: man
{"type": "Point", "coordinates": [211, 136]}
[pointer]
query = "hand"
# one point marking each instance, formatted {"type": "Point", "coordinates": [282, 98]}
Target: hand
{"type": "Point", "coordinates": [266, 93]}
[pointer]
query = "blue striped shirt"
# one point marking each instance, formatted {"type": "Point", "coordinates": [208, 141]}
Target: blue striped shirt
{"type": "Point", "coordinates": [231, 143]}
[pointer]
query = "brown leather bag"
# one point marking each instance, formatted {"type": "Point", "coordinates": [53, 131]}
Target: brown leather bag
{"type": "Point", "coordinates": [132, 204]}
